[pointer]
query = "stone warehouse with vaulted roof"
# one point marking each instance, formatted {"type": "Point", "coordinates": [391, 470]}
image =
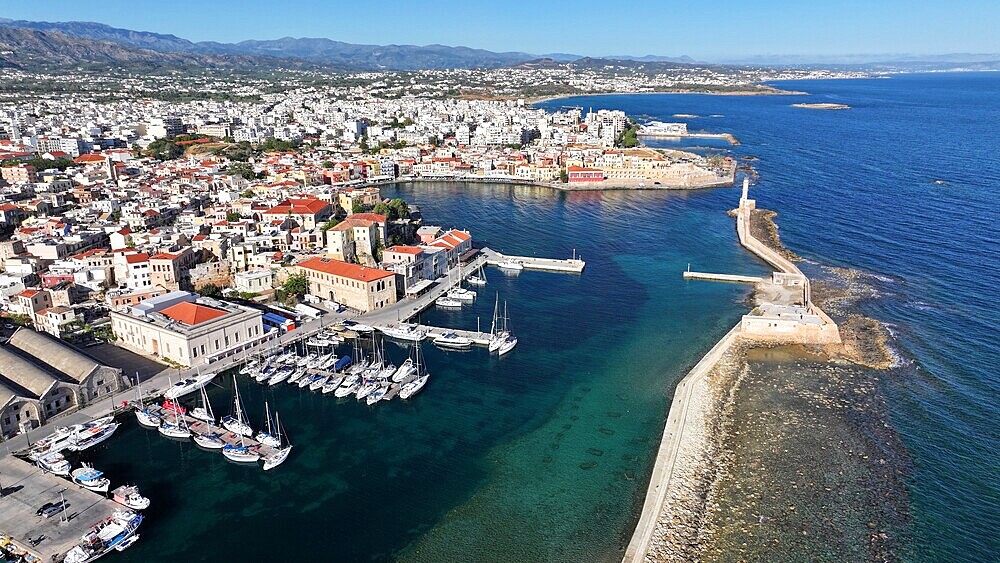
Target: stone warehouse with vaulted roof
{"type": "Point", "coordinates": [42, 376]}
{"type": "Point", "coordinates": [184, 328]}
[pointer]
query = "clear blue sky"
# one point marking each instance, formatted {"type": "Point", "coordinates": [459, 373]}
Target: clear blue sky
{"type": "Point", "coordinates": [709, 30]}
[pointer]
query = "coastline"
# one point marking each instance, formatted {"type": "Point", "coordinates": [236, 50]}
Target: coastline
{"type": "Point", "coordinates": [706, 465]}
{"type": "Point", "coordinates": [769, 91]}
{"type": "Point", "coordinates": [589, 187]}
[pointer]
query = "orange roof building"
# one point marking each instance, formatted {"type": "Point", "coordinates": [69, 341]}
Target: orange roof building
{"type": "Point", "coordinates": [358, 287]}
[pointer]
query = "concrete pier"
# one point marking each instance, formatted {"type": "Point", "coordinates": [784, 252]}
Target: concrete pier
{"type": "Point", "coordinates": [689, 275]}
{"type": "Point", "coordinates": [569, 265]}
{"type": "Point", "coordinates": [25, 489]}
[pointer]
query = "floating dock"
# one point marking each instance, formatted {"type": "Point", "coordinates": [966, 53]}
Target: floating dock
{"type": "Point", "coordinates": [25, 489]}
{"type": "Point", "coordinates": [201, 428]}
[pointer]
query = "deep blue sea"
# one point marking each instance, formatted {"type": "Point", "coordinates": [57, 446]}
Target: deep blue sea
{"type": "Point", "coordinates": [544, 455]}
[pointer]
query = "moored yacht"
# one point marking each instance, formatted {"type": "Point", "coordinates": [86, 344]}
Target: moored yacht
{"type": "Point", "coordinates": [462, 294]}
{"type": "Point", "coordinates": [210, 441]}
{"type": "Point", "coordinates": [511, 264]}
{"type": "Point", "coordinates": [188, 386]}
{"type": "Point", "coordinates": [55, 463]}
{"type": "Point", "coordinates": [404, 331]}
{"type": "Point", "coordinates": [452, 340]}
{"type": "Point", "coordinates": [448, 303]}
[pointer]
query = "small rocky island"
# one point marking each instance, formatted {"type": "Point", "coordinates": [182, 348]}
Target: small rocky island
{"type": "Point", "coordinates": [822, 106]}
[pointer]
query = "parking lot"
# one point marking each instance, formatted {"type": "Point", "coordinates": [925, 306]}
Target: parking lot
{"type": "Point", "coordinates": [27, 488]}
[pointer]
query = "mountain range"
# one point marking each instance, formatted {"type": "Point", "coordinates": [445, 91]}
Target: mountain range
{"type": "Point", "coordinates": [321, 52]}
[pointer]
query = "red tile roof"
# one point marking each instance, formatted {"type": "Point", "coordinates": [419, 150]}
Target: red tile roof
{"type": "Point", "coordinates": [405, 249]}
{"type": "Point", "coordinates": [376, 217]}
{"type": "Point", "coordinates": [344, 269]}
{"type": "Point", "coordinates": [192, 313]}
{"type": "Point", "coordinates": [307, 206]}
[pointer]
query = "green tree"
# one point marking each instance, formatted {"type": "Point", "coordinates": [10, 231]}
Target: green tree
{"type": "Point", "coordinates": [382, 208]}
{"type": "Point", "coordinates": [296, 284]}
{"type": "Point", "coordinates": [363, 143]}
{"type": "Point", "coordinates": [233, 216]}
{"type": "Point", "coordinates": [210, 290]}
{"type": "Point", "coordinates": [164, 149]}
{"type": "Point", "coordinates": [327, 164]}
{"type": "Point", "coordinates": [356, 207]}
{"type": "Point", "coordinates": [399, 209]}
{"type": "Point", "coordinates": [242, 169]}
{"type": "Point", "coordinates": [563, 176]}
{"type": "Point", "coordinates": [330, 224]}
{"type": "Point", "coordinates": [248, 193]}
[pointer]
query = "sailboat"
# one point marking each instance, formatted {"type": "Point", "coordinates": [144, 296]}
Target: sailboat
{"type": "Point", "coordinates": [210, 441]}
{"type": "Point", "coordinates": [268, 438]}
{"type": "Point", "coordinates": [281, 454]}
{"type": "Point", "coordinates": [414, 386]}
{"type": "Point", "coordinates": [236, 422]}
{"type": "Point", "coordinates": [501, 339]}
{"type": "Point", "coordinates": [176, 429]}
{"type": "Point", "coordinates": [143, 415]}
{"type": "Point", "coordinates": [204, 412]}
{"type": "Point", "coordinates": [241, 453]}
{"type": "Point", "coordinates": [478, 278]}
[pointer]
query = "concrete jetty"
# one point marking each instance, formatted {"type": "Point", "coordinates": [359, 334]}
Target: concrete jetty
{"type": "Point", "coordinates": [25, 489]}
{"type": "Point", "coordinates": [568, 265]}
{"type": "Point", "coordinates": [689, 275]}
{"type": "Point", "coordinates": [201, 428]}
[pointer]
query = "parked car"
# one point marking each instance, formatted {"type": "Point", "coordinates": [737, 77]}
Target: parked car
{"type": "Point", "coordinates": [50, 509]}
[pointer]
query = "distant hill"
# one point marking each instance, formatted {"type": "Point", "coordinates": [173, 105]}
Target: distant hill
{"type": "Point", "coordinates": [318, 51]}
{"type": "Point", "coordinates": [34, 49]}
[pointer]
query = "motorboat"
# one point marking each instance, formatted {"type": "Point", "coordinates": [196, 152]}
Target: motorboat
{"type": "Point", "coordinates": [210, 441]}
{"type": "Point", "coordinates": [147, 418]}
{"type": "Point", "coordinates": [91, 479]}
{"type": "Point", "coordinates": [510, 264]}
{"type": "Point", "coordinates": [318, 382]}
{"type": "Point", "coordinates": [462, 294]}
{"type": "Point", "coordinates": [404, 331]}
{"type": "Point", "coordinates": [412, 388]}
{"type": "Point", "coordinates": [367, 388]}
{"type": "Point", "coordinates": [129, 497]}
{"type": "Point", "coordinates": [376, 395]}
{"type": "Point", "coordinates": [448, 303]}
{"type": "Point", "coordinates": [358, 327]}
{"type": "Point", "coordinates": [475, 280]}
{"type": "Point", "coordinates": [188, 386]}
{"type": "Point", "coordinates": [55, 463]}
{"type": "Point", "coordinates": [240, 454]}
{"type": "Point", "coordinates": [452, 340]}
{"type": "Point", "coordinates": [331, 384]}
{"type": "Point", "coordinates": [57, 441]}
{"type": "Point", "coordinates": [116, 532]}
{"type": "Point", "coordinates": [405, 370]}
{"type": "Point", "coordinates": [91, 434]}
{"type": "Point", "coordinates": [349, 386]}
{"type": "Point", "coordinates": [303, 361]}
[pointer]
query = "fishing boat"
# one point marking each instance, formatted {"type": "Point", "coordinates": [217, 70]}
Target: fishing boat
{"type": "Point", "coordinates": [405, 370]}
{"type": "Point", "coordinates": [55, 463]}
{"type": "Point", "coordinates": [452, 340]}
{"type": "Point", "coordinates": [129, 497]}
{"type": "Point", "coordinates": [268, 438]}
{"type": "Point", "coordinates": [91, 479]}
{"type": "Point", "coordinates": [448, 303]}
{"type": "Point", "coordinates": [511, 264]}
{"type": "Point", "coordinates": [204, 412]}
{"type": "Point", "coordinates": [116, 532]}
{"type": "Point", "coordinates": [404, 331]}
{"type": "Point", "coordinates": [462, 294]}
{"type": "Point", "coordinates": [188, 386]}
{"type": "Point", "coordinates": [331, 384]}
{"type": "Point", "coordinates": [210, 441]}
{"type": "Point", "coordinates": [283, 448]}
{"type": "Point", "coordinates": [236, 422]}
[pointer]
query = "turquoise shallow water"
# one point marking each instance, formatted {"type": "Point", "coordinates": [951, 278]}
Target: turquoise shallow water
{"type": "Point", "coordinates": [541, 455]}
